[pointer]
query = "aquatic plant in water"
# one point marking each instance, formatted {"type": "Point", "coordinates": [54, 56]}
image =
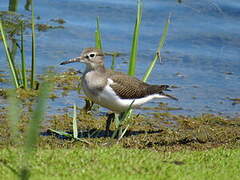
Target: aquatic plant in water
{"type": "Point", "coordinates": [19, 77]}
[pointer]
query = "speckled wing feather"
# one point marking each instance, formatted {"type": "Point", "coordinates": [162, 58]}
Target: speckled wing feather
{"type": "Point", "coordinates": [128, 87]}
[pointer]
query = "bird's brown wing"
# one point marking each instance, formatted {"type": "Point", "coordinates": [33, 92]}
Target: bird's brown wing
{"type": "Point", "coordinates": [128, 87]}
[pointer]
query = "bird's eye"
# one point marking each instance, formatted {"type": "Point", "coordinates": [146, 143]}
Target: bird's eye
{"type": "Point", "coordinates": [92, 55]}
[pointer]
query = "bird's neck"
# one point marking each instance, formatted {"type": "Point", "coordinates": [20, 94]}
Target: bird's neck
{"type": "Point", "coordinates": [98, 68]}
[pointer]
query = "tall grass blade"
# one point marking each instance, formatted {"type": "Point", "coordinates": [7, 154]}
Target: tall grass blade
{"type": "Point", "coordinates": [158, 52]}
{"type": "Point", "coordinates": [12, 53]}
{"type": "Point", "coordinates": [67, 135]}
{"type": "Point", "coordinates": [119, 121]}
{"type": "Point", "coordinates": [9, 59]}
{"type": "Point", "coordinates": [37, 116]}
{"type": "Point", "coordinates": [133, 56]}
{"type": "Point", "coordinates": [13, 115]}
{"type": "Point", "coordinates": [34, 126]}
{"type": "Point", "coordinates": [61, 133]}
{"type": "Point", "coordinates": [126, 114]}
{"type": "Point", "coordinates": [75, 129]}
{"type": "Point", "coordinates": [98, 37]}
{"type": "Point", "coordinates": [134, 49]}
{"type": "Point", "coordinates": [122, 134]}
{"type": "Point", "coordinates": [23, 58]}
{"type": "Point", "coordinates": [33, 49]}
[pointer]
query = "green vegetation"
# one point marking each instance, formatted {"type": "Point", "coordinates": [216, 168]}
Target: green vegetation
{"type": "Point", "coordinates": [158, 53]}
{"type": "Point", "coordinates": [12, 25]}
{"type": "Point", "coordinates": [85, 163]}
{"type": "Point", "coordinates": [19, 77]}
{"type": "Point", "coordinates": [124, 118]}
{"type": "Point", "coordinates": [9, 57]}
{"type": "Point", "coordinates": [98, 37]}
{"type": "Point", "coordinates": [32, 135]}
{"type": "Point", "coordinates": [33, 130]}
{"type": "Point", "coordinates": [33, 49]}
{"type": "Point", "coordinates": [133, 55]}
{"type": "Point", "coordinates": [24, 71]}
{"type": "Point", "coordinates": [162, 146]}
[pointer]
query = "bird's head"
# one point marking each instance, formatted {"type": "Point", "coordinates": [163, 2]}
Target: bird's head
{"type": "Point", "coordinates": [92, 57]}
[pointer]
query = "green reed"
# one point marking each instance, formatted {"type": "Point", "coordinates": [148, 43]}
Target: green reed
{"type": "Point", "coordinates": [133, 55]}
{"type": "Point", "coordinates": [33, 49]}
{"type": "Point", "coordinates": [98, 37]}
{"type": "Point", "coordinates": [23, 58]}
{"type": "Point", "coordinates": [131, 70]}
{"type": "Point", "coordinates": [19, 77]}
{"type": "Point", "coordinates": [119, 121]}
{"type": "Point", "coordinates": [158, 52]}
{"type": "Point", "coordinates": [9, 57]}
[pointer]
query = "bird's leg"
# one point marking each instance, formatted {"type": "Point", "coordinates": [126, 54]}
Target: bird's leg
{"type": "Point", "coordinates": [110, 118]}
{"type": "Point", "coordinates": [88, 105]}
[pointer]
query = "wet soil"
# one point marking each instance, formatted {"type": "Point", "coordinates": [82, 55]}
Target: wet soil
{"type": "Point", "coordinates": [162, 132]}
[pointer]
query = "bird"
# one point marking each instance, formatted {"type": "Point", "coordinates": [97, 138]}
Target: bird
{"type": "Point", "coordinates": [114, 90]}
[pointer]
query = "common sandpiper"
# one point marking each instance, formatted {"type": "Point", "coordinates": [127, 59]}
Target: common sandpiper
{"type": "Point", "coordinates": [111, 89]}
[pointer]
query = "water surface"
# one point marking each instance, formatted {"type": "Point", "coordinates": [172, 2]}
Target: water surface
{"type": "Point", "coordinates": [201, 56]}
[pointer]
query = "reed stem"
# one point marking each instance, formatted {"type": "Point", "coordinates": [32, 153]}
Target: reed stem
{"type": "Point", "coordinates": [9, 58]}
{"type": "Point", "coordinates": [33, 49]}
{"type": "Point", "coordinates": [133, 56]}
{"type": "Point", "coordinates": [158, 52]}
{"type": "Point", "coordinates": [23, 58]}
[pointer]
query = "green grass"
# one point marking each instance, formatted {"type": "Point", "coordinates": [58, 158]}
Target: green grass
{"type": "Point", "coordinates": [32, 134]}
{"type": "Point", "coordinates": [119, 163]}
{"type": "Point", "coordinates": [109, 162]}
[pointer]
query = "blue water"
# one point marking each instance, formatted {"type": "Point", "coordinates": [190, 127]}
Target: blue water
{"type": "Point", "coordinates": [201, 55]}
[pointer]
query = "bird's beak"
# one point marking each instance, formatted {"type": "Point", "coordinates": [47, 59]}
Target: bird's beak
{"type": "Point", "coordinates": [77, 59]}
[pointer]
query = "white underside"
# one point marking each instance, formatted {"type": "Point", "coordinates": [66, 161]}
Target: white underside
{"type": "Point", "coordinates": [108, 98]}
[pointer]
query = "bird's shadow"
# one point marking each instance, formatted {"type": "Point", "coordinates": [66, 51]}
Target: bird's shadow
{"type": "Point", "coordinates": [96, 133]}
